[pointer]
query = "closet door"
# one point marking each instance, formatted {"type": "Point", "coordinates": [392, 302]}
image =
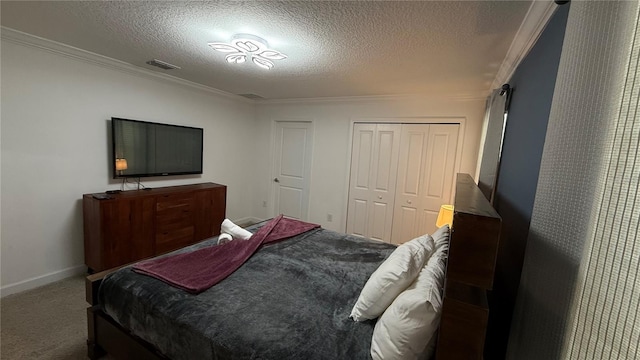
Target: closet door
{"type": "Point", "coordinates": [374, 164]}
{"type": "Point", "coordinates": [425, 178]}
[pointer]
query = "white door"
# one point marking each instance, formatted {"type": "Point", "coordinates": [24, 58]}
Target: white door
{"type": "Point", "coordinates": [372, 184]}
{"type": "Point", "coordinates": [426, 173]}
{"type": "Point", "coordinates": [292, 168]}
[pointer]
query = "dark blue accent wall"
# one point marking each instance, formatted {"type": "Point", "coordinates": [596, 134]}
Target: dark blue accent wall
{"type": "Point", "coordinates": [533, 84]}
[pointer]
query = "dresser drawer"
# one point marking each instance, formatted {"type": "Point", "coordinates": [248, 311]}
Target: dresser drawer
{"type": "Point", "coordinates": [172, 224]}
{"type": "Point", "coordinates": [173, 209]}
{"type": "Point", "coordinates": [174, 203]}
{"type": "Point", "coordinates": [170, 240]}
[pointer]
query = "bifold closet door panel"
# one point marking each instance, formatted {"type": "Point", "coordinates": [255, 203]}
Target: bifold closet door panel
{"type": "Point", "coordinates": [438, 182]}
{"type": "Point", "coordinates": [360, 179]}
{"type": "Point", "coordinates": [411, 170]}
{"type": "Point", "coordinates": [426, 170]}
{"type": "Point", "coordinates": [374, 164]}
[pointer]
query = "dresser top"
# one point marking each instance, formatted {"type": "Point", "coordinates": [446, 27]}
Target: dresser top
{"type": "Point", "coordinates": [156, 191]}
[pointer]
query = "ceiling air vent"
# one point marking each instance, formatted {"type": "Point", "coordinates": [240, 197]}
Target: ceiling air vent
{"type": "Point", "coordinates": [252, 96]}
{"type": "Point", "coordinates": [162, 64]}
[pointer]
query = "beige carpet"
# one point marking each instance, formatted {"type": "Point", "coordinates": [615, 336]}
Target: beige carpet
{"type": "Point", "coordinates": [49, 322]}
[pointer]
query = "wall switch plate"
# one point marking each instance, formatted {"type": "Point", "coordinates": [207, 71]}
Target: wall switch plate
{"type": "Point", "coordinates": [329, 217]}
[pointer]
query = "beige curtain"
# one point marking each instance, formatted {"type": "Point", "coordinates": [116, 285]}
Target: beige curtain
{"type": "Point", "coordinates": [605, 321]}
{"type": "Point", "coordinates": [580, 289]}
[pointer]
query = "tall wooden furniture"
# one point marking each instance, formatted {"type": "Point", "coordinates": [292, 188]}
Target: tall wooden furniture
{"type": "Point", "coordinates": [473, 248]}
{"type": "Point", "coordinates": [124, 227]}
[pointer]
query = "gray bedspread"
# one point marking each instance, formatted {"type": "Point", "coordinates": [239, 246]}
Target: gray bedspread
{"type": "Point", "coordinates": [290, 300]}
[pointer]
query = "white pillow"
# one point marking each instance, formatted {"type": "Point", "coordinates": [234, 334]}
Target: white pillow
{"type": "Point", "coordinates": [393, 276]}
{"type": "Point", "coordinates": [406, 330]}
{"type": "Point", "coordinates": [441, 236]}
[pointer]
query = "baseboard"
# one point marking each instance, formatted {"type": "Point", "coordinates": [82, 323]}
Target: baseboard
{"type": "Point", "coordinates": [77, 270]}
{"type": "Point", "coordinates": [246, 221]}
{"type": "Point", "coordinates": [42, 280]}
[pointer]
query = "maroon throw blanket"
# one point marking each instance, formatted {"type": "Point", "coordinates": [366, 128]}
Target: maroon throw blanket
{"type": "Point", "coordinates": [199, 270]}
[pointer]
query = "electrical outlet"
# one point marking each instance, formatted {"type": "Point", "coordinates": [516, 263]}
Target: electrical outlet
{"type": "Point", "coordinates": [329, 217]}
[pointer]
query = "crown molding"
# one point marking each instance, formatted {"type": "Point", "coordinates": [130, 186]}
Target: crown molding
{"type": "Point", "coordinates": [532, 26]}
{"type": "Point", "coordinates": [22, 38]}
{"type": "Point", "coordinates": [471, 96]}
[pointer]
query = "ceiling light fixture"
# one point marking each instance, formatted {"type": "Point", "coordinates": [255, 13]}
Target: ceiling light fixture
{"type": "Point", "coordinates": [245, 46]}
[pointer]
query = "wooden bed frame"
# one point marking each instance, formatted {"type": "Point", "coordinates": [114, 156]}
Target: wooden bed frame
{"type": "Point", "coordinates": [470, 266]}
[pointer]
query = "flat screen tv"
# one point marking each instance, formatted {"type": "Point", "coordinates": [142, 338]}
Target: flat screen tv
{"type": "Point", "coordinates": [142, 149]}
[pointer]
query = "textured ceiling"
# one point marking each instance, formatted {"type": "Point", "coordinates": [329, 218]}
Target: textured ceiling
{"type": "Point", "coordinates": [334, 48]}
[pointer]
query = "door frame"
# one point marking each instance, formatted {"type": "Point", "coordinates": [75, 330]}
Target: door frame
{"type": "Point", "coordinates": [402, 120]}
{"type": "Point", "coordinates": [273, 156]}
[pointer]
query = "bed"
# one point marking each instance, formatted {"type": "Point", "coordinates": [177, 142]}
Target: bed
{"type": "Point", "coordinates": [291, 299]}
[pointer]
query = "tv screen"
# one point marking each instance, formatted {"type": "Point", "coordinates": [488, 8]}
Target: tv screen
{"type": "Point", "coordinates": [142, 148]}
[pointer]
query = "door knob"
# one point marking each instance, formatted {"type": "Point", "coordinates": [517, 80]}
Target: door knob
{"type": "Point", "coordinates": [276, 180]}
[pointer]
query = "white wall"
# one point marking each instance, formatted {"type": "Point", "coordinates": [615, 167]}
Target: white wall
{"type": "Point", "coordinates": [332, 131]}
{"type": "Point", "coordinates": [55, 147]}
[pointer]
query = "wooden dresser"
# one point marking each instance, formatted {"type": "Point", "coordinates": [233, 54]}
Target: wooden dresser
{"type": "Point", "coordinates": [137, 224]}
{"type": "Point", "coordinates": [473, 248]}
